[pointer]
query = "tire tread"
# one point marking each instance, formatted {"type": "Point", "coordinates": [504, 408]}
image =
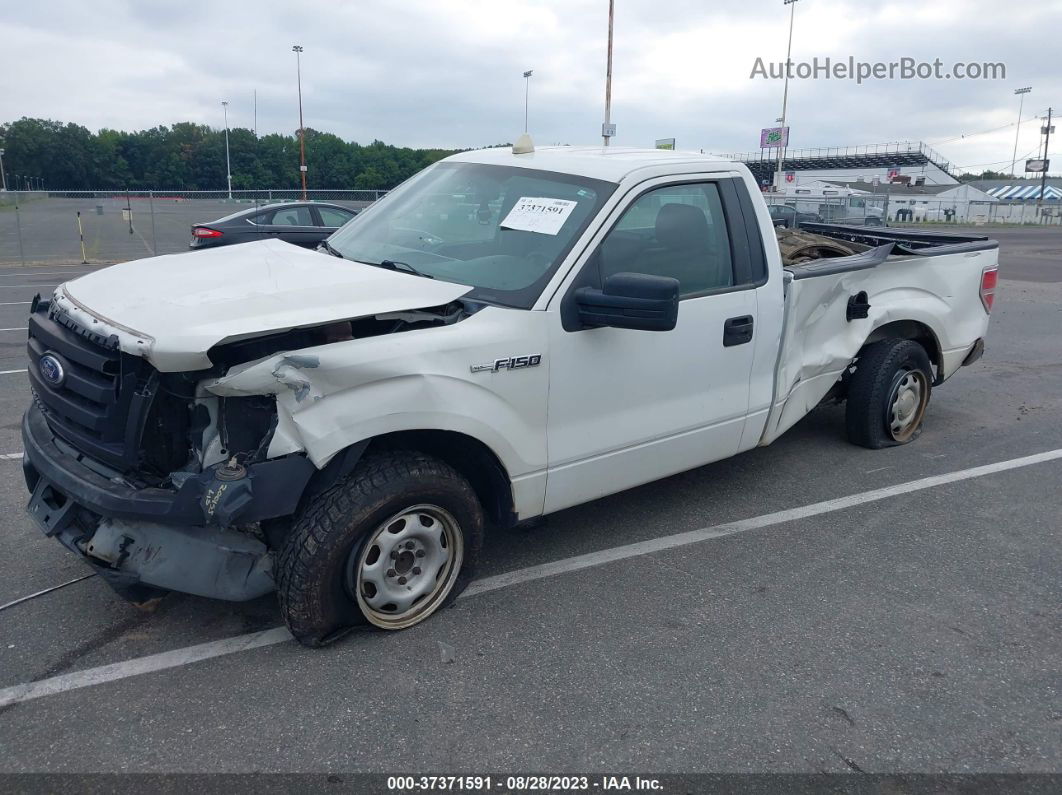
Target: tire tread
{"type": "Point", "coordinates": [869, 384]}
{"type": "Point", "coordinates": [324, 525]}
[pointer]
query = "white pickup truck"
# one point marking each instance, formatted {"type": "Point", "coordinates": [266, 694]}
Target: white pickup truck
{"type": "Point", "coordinates": [503, 336]}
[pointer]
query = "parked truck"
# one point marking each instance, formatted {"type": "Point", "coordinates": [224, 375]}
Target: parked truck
{"type": "Point", "coordinates": [505, 335]}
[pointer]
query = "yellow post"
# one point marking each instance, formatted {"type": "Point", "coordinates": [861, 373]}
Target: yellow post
{"type": "Point", "coordinates": [81, 234]}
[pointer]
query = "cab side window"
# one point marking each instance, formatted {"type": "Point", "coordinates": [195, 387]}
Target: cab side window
{"type": "Point", "coordinates": [292, 216]}
{"type": "Point", "coordinates": [677, 231]}
{"type": "Point", "coordinates": [330, 216]}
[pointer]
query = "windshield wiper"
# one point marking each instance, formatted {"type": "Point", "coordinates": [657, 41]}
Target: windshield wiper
{"type": "Point", "coordinates": [401, 267]}
{"type": "Point", "coordinates": [331, 249]}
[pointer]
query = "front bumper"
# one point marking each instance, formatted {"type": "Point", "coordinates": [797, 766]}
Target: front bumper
{"type": "Point", "coordinates": [176, 539]}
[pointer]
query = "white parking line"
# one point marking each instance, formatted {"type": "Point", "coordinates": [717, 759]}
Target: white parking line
{"type": "Point", "coordinates": [9, 372]}
{"type": "Point", "coordinates": [204, 651]}
{"type": "Point", "coordinates": [56, 273]}
{"type": "Point", "coordinates": [14, 303]}
{"type": "Point", "coordinates": [11, 456]}
{"type": "Point", "coordinates": [15, 328]}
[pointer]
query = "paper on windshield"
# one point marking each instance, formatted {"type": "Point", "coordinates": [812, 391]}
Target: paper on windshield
{"type": "Point", "coordinates": [533, 214]}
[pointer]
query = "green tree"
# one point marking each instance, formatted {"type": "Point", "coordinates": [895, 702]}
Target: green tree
{"type": "Point", "coordinates": [189, 156]}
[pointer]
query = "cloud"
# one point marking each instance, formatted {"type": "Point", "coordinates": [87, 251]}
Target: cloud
{"type": "Point", "coordinates": [448, 72]}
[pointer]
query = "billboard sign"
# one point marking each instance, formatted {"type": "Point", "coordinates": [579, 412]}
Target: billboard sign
{"type": "Point", "coordinates": [1037, 166]}
{"type": "Point", "coordinates": [665, 143]}
{"type": "Point", "coordinates": [774, 137]}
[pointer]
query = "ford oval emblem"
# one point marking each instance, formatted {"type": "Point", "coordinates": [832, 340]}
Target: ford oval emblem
{"type": "Point", "coordinates": [52, 370]}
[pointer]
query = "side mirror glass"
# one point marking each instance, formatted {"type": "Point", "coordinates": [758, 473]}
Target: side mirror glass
{"type": "Point", "coordinates": [630, 300]}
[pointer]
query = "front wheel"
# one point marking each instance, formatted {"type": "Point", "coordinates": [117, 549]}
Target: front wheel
{"type": "Point", "coordinates": [888, 394]}
{"type": "Point", "coordinates": [388, 546]}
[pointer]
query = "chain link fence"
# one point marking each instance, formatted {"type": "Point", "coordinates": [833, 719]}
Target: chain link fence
{"type": "Point", "coordinates": [908, 209]}
{"type": "Point", "coordinates": [49, 227]}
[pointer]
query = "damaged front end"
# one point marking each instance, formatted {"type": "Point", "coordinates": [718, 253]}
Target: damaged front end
{"type": "Point", "coordinates": [154, 481]}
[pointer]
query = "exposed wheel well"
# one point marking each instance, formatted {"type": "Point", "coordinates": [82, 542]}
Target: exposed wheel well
{"type": "Point", "coordinates": [911, 330]}
{"type": "Point", "coordinates": [469, 456]}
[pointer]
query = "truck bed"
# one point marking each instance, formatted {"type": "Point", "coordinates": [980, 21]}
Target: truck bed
{"type": "Point", "coordinates": [923, 285]}
{"type": "Point", "coordinates": [882, 243]}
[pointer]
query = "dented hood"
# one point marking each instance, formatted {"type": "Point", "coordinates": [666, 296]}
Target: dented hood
{"type": "Point", "coordinates": [172, 309]}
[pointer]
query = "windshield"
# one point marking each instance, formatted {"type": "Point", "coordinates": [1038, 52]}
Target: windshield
{"type": "Point", "coordinates": [500, 229]}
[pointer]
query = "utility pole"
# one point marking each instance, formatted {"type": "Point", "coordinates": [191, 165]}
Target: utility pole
{"type": "Point", "coordinates": [297, 49]}
{"type": "Point", "coordinates": [527, 91]}
{"type": "Point", "coordinates": [1021, 92]}
{"type": "Point", "coordinates": [228, 167]}
{"type": "Point", "coordinates": [785, 89]}
{"type": "Point", "coordinates": [3, 176]}
{"type": "Point", "coordinates": [606, 129]}
{"type": "Point", "coordinates": [1043, 178]}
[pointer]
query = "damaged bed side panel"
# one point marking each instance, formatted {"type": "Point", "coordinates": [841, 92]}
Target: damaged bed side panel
{"type": "Point", "coordinates": [819, 341]}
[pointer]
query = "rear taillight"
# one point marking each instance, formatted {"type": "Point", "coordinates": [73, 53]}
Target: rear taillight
{"type": "Point", "coordinates": [202, 231]}
{"type": "Point", "coordinates": [989, 276]}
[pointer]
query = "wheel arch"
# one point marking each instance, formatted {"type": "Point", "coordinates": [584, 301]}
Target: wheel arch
{"type": "Point", "coordinates": [474, 459]}
{"type": "Point", "coordinates": [913, 330]}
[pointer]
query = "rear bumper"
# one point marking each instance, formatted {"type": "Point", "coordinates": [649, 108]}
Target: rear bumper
{"type": "Point", "coordinates": [976, 352]}
{"type": "Point", "coordinates": [177, 539]}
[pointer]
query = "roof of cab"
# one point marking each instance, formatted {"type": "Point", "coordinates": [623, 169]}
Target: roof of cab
{"type": "Point", "coordinates": [610, 163]}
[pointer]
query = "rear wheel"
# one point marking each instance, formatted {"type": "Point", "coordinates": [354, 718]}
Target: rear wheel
{"type": "Point", "coordinates": [388, 546]}
{"type": "Point", "coordinates": [888, 394]}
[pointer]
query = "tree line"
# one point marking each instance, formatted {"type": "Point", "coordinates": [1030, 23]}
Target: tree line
{"type": "Point", "coordinates": [188, 156]}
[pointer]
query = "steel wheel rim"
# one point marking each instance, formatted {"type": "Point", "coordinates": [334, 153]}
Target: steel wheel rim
{"type": "Point", "coordinates": [407, 566]}
{"type": "Point", "coordinates": [907, 404]}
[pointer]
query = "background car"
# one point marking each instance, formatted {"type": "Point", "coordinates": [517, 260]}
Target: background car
{"type": "Point", "coordinates": [302, 223]}
{"type": "Point", "coordinates": [854, 211]}
{"type": "Point", "coordinates": [790, 216]}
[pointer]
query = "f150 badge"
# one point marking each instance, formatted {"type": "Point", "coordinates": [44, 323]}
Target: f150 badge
{"type": "Point", "coordinates": [508, 363]}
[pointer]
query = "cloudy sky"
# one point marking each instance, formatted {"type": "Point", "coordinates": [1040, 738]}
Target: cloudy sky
{"type": "Point", "coordinates": [448, 72]}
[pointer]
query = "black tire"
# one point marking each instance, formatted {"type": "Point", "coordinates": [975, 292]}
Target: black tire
{"type": "Point", "coordinates": [313, 568]}
{"type": "Point", "coordinates": [873, 388]}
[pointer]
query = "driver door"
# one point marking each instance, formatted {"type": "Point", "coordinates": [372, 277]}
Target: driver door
{"type": "Point", "coordinates": [627, 407]}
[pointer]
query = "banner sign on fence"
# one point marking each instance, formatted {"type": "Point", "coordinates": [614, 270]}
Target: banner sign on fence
{"type": "Point", "coordinates": [774, 137]}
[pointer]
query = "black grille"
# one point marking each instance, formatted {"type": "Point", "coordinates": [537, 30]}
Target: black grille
{"type": "Point", "coordinates": [106, 399]}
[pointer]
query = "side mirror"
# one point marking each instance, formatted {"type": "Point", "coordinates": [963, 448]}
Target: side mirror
{"type": "Point", "coordinates": [630, 300]}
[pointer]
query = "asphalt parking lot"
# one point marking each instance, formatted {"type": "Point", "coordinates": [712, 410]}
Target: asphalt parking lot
{"type": "Point", "coordinates": [917, 631]}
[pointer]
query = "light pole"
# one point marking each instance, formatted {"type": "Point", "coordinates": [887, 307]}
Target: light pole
{"type": "Point", "coordinates": [297, 49]}
{"type": "Point", "coordinates": [1021, 92]}
{"type": "Point", "coordinates": [3, 176]}
{"type": "Point", "coordinates": [785, 89]}
{"type": "Point", "coordinates": [606, 129]}
{"type": "Point", "coordinates": [527, 90]}
{"type": "Point", "coordinates": [228, 167]}
{"type": "Point", "coordinates": [1043, 177]}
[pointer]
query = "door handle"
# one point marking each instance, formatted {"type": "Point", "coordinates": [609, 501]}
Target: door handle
{"type": "Point", "coordinates": [737, 331]}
